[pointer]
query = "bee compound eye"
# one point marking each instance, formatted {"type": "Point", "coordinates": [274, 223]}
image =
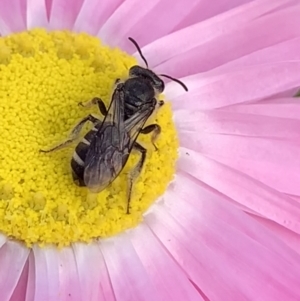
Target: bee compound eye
{"type": "Point", "coordinates": [136, 71]}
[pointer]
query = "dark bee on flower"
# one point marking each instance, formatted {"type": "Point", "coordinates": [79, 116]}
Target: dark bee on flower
{"type": "Point", "coordinates": [104, 151]}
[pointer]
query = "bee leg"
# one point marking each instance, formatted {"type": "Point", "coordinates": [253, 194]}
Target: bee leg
{"type": "Point", "coordinates": [95, 101]}
{"type": "Point", "coordinates": [135, 172]}
{"type": "Point", "coordinates": [155, 129]}
{"type": "Point", "coordinates": [74, 134]}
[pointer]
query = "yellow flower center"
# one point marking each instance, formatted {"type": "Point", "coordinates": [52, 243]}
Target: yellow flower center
{"type": "Point", "coordinates": [43, 77]}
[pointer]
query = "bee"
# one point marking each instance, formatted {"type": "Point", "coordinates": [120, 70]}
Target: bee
{"type": "Point", "coordinates": [104, 151]}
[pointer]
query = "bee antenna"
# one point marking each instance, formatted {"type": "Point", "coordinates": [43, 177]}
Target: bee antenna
{"type": "Point", "coordinates": [139, 50]}
{"type": "Point", "coordinates": [175, 80]}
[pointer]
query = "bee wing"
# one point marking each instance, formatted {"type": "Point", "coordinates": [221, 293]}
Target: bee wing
{"type": "Point", "coordinates": [136, 122]}
{"type": "Point", "coordinates": [104, 159]}
{"type": "Point", "coordinates": [116, 110]}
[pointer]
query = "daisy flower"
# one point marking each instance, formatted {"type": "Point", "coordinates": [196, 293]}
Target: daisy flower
{"type": "Point", "coordinates": [215, 213]}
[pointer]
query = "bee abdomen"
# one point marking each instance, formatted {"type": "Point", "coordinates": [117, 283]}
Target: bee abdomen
{"type": "Point", "coordinates": [79, 155]}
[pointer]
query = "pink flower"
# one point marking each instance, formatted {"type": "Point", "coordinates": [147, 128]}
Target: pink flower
{"type": "Point", "coordinates": [228, 226]}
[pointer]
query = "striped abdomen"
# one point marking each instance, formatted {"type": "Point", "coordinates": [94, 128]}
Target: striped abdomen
{"type": "Point", "coordinates": [79, 155]}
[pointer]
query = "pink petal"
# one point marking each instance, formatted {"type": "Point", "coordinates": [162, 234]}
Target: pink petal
{"type": "Point", "coordinates": [2, 240]}
{"type": "Point", "coordinates": [158, 15]}
{"type": "Point", "coordinates": [251, 84]}
{"type": "Point", "coordinates": [12, 16]}
{"type": "Point", "coordinates": [30, 289]}
{"type": "Point", "coordinates": [287, 236]}
{"type": "Point", "coordinates": [288, 4]}
{"type": "Point", "coordinates": [296, 198]}
{"type": "Point", "coordinates": [221, 259]}
{"type": "Point", "coordinates": [13, 257]}
{"type": "Point", "coordinates": [249, 143]}
{"type": "Point", "coordinates": [283, 108]}
{"type": "Point", "coordinates": [19, 293]}
{"type": "Point", "coordinates": [211, 31]}
{"type": "Point", "coordinates": [251, 193]}
{"type": "Point", "coordinates": [48, 7]}
{"type": "Point", "coordinates": [36, 14]}
{"type": "Point", "coordinates": [128, 276]}
{"type": "Point", "coordinates": [64, 13]}
{"type": "Point", "coordinates": [167, 277]}
{"type": "Point", "coordinates": [204, 10]}
{"type": "Point", "coordinates": [216, 208]}
{"type": "Point", "coordinates": [226, 122]}
{"type": "Point", "coordinates": [232, 45]}
{"type": "Point", "coordinates": [68, 276]}
{"type": "Point", "coordinates": [272, 54]}
{"type": "Point", "coordinates": [97, 12]}
{"type": "Point", "coordinates": [46, 274]}
{"type": "Point", "coordinates": [87, 257]}
{"type": "Point", "coordinates": [104, 281]}
{"type": "Point", "coordinates": [4, 29]}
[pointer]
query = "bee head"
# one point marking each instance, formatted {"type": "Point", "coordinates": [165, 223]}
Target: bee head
{"type": "Point", "coordinates": [148, 75]}
{"type": "Point", "coordinates": [157, 83]}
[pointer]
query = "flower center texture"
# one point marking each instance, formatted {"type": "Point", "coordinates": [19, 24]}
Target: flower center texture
{"type": "Point", "coordinates": [43, 77]}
